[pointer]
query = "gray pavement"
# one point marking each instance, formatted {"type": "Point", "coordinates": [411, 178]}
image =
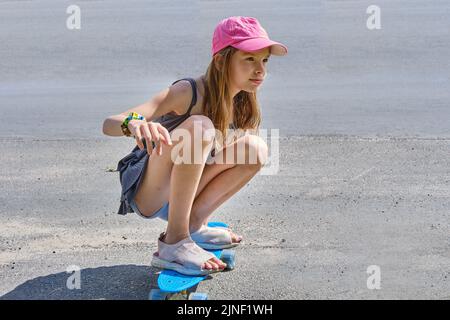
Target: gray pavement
{"type": "Point", "coordinates": [364, 174]}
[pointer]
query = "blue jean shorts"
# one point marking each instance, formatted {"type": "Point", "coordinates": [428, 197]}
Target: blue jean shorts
{"type": "Point", "coordinates": [162, 213]}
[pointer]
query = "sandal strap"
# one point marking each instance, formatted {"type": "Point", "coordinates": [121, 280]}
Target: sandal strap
{"type": "Point", "coordinates": [185, 252]}
{"type": "Point", "coordinates": [212, 235]}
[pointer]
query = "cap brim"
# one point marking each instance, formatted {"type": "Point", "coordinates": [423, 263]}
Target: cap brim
{"type": "Point", "coordinates": [256, 44]}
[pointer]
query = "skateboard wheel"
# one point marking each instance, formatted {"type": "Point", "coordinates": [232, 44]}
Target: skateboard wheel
{"type": "Point", "coordinates": [156, 294]}
{"type": "Point", "coordinates": [198, 296]}
{"type": "Point", "coordinates": [229, 257]}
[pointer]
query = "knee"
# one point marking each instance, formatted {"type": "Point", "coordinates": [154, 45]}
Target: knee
{"type": "Point", "coordinates": [257, 150]}
{"type": "Point", "coordinates": [201, 127]}
{"type": "Point", "coordinates": [194, 138]}
{"type": "Point", "coordinates": [199, 120]}
{"type": "Point", "coordinates": [194, 127]}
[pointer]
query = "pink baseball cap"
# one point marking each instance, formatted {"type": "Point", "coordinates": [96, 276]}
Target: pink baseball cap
{"type": "Point", "coordinates": [246, 34]}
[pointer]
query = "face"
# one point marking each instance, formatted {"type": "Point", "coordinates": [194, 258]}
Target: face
{"type": "Point", "coordinates": [248, 66]}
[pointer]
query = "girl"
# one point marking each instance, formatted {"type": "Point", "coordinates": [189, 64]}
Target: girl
{"type": "Point", "coordinates": [224, 97]}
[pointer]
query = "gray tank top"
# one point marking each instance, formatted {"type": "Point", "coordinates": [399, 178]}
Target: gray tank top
{"type": "Point", "coordinates": [171, 121]}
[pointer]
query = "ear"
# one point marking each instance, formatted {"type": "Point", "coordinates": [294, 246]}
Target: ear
{"type": "Point", "coordinates": [218, 61]}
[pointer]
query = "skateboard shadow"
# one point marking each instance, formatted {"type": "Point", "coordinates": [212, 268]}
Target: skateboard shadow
{"type": "Point", "coordinates": [124, 282]}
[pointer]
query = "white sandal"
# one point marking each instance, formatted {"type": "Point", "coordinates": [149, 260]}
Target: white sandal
{"type": "Point", "coordinates": [185, 257]}
{"type": "Point", "coordinates": [213, 238]}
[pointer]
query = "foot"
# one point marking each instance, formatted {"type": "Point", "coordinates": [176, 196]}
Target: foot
{"type": "Point", "coordinates": [215, 238]}
{"type": "Point", "coordinates": [212, 264]}
{"type": "Point", "coordinates": [234, 237]}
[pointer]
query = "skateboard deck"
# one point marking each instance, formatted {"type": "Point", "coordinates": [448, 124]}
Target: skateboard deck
{"type": "Point", "coordinates": [175, 286]}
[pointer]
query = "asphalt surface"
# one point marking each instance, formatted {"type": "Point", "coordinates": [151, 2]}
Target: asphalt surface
{"type": "Point", "coordinates": [364, 123]}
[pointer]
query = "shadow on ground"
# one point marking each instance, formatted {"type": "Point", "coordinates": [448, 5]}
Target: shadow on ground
{"type": "Point", "coordinates": [115, 282]}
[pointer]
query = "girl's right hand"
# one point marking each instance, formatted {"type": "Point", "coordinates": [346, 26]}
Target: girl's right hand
{"type": "Point", "coordinates": [150, 131]}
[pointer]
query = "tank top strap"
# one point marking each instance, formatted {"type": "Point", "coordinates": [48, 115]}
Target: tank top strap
{"type": "Point", "coordinates": [194, 93]}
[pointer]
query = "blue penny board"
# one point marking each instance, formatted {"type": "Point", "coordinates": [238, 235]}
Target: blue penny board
{"type": "Point", "coordinates": [172, 282]}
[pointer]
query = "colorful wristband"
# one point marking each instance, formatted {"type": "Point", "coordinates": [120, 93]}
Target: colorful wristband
{"type": "Point", "coordinates": [131, 116]}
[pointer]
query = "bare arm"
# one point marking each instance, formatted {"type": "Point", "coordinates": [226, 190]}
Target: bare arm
{"type": "Point", "coordinates": [175, 98]}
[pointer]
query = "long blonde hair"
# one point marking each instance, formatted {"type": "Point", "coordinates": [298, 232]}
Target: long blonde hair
{"type": "Point", "coordinates": [217, 96]}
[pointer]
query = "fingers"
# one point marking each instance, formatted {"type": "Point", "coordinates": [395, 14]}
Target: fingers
{"type": "Point", "coordinates": [156, 137]}
{"type": "Point", "coordinates": [160, 134]}
{"type": "Point", "coordinates": [138, 137]}
{"type": "Point", "coordinates": [165, 135]}
{"type": "Point", "coordinates": [148, 138]}
{"type": "Point", "coordinates": [151, 131]}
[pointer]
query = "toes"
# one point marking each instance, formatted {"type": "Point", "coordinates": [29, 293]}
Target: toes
{"type": "Point", "coordinates": [207, 266]}
{"type": "Point", "coordinates": [220, 263]}
{"type": "Point", "coordinates": [236, 238]}
{"type": "Point", "coordinates": [211, 265]}
{"type": "Point", "coordinates": [214, 265]}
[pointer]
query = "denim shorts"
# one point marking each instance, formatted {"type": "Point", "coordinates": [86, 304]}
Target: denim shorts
{"type": "Point", "coordinates": [162, 213]}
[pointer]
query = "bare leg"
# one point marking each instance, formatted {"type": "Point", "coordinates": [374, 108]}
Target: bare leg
{"type": "Point", "coordinates": [182, 180]}
{"type": "Point", "coordinates": [220, 189]}
{"type": "Point", "coordinates": [220, 181]}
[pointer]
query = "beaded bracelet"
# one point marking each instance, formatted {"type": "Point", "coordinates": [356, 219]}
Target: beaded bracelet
{"type": "Point", "coordinates": [131, 116]}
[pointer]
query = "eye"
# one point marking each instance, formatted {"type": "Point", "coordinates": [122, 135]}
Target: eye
{"type": "Point", "coordinates": [250, 59]}
{"type": "Point", "coordinates": [266, 60]}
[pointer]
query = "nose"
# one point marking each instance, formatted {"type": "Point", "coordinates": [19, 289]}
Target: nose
{"type": "Point", "coordinates": [261, 69]}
